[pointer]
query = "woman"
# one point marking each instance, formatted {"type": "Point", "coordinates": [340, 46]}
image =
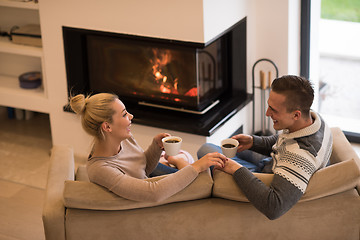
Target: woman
{"type": "Point", "coordinates": [118, 163]}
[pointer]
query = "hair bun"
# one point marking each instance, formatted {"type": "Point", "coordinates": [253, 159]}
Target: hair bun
{"type": "Point", "coordinates": [77, 103]}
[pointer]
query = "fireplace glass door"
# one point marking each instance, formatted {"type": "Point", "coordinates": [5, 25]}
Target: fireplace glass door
{"type": "Point", "coordinates": [160, 73]}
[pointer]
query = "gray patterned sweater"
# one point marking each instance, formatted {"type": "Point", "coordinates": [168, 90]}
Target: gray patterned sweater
{"type": "Point", "coordinates": [295, 158]}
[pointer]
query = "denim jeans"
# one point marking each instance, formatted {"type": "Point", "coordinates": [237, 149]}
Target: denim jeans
{"type": "Point", "coordinates": [255, 162]}
{"type": "Point", "coordinates": [162, 169]}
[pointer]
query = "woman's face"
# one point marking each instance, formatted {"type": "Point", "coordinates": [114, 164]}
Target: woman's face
{"type": "Point", "coordinates": [120, 127]}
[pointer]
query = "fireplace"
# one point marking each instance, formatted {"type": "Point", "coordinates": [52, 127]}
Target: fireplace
{"type": "Point", "coordinates": [150, 72]}
{"type": "Point", "coordinates": [190, 80]}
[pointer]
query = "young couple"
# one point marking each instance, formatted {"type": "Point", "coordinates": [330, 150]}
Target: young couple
{"type": "Point", "coordinates": [118, 163]}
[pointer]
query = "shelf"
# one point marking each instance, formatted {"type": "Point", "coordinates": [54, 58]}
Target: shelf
{"type": "Point", "coordinates": [7, 46]}
{"type": "Point", "coordinates": [18, 58]}
{"type": "Point", "coordinates": [11, 84]}
{"type": "Point", "coordinates": [18, 4]}
{"type": "Point", "coordinates": [12, 95]}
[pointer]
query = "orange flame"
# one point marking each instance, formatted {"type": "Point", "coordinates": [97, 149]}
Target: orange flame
{"type": "Point", "coordinates": [164, 89]}
{"type": "Point", "coordinates": [192, 92]}
{"type": "Point", "coordinates": [160, 60]}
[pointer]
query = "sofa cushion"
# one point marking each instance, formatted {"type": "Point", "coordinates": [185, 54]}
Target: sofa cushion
{"type": "Point", "coordinates": [333, 179]}
{"type": "Point", "coordinates": [88, 195]}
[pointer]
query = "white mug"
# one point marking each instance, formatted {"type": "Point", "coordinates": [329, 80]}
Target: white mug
{"type": "Point", "coordinates": [172, 145]}
{"type": "Point", "coordinates": [229, 152]}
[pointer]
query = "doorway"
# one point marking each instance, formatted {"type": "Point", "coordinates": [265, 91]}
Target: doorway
{"type": "Point", "coordinates": [339, 63]}
{"type": "Point", "coordinates": [334, 34]}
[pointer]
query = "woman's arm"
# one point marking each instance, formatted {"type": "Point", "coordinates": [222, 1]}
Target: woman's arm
{"type": "Point", "coordinates": [152, 155]}
{"type": "Point", "coordinates": [132, 188]}
{"type": "Point", "coordinates": [139, 189]}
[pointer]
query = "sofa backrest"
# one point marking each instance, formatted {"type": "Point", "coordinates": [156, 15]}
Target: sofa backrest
{"type": "Point", "coordinates": [343, 174]}
{"type": "Point", "coordinates": [87, 195]}
{"type": "Point", "coordinates": [342, 149]}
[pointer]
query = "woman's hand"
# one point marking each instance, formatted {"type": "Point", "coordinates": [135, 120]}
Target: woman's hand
{"type": "Point", "coordinates": [230, 166]}
{"type": "Point", "coordinates": [211, 159]}
{"type": "Point", "coordinates": [178, 161]}
{"type": "Point", "coordinates": [245, 141]}
{"type": "Point", "coordinates": [158, 139]}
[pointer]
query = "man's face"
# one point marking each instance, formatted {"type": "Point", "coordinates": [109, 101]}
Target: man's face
{"type": "Point", "coordinates": [282, 119]}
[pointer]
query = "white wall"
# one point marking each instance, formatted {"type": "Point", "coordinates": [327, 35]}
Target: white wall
{"type": "Point", "coordinates": [269, 26]}
{"type": "Point", "coordinates": [220, 15]}
{"type": "Point", "coordinates": [273, 33]}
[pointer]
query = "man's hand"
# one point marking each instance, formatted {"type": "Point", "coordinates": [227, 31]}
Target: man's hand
{"type": "Point", "coordinates": [230, 166]}
{"type": "Point", "coordinates": [245, 141]}
{"type": "Point", "coordinates": [211, 159]}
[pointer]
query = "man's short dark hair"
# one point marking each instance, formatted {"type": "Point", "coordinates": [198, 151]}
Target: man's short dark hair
{"type": "Point", "coordinates": [298, 91]}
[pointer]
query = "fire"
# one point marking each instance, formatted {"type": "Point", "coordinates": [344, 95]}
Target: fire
{"type": "Point", "coordinates": [158, 75]}
{"type": "Point", "coordinates": [161, 59]}
{"type": "Point", "coordinates": [168, 84]}
{"type": "Point", "coordinates": [192, 92]}
{"type": "Point", "coordinates": [163, 89]}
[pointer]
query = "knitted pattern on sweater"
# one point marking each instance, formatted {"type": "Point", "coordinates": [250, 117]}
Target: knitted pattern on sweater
{"type": "Point", "coordinates": [299, 154]}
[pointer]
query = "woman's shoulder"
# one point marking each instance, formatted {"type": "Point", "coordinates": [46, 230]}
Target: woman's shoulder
{"type": "Point", "coordinates": [131, 144]}
{"type": "Point", "coordinates": [101, 166]}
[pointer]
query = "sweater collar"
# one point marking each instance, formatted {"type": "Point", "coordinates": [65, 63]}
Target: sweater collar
{"type": "Point", "coordinates": [313, 128]}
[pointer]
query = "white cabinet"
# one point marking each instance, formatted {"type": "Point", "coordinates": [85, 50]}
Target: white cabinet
{"type": "Point", "coordinates": [16, 59]}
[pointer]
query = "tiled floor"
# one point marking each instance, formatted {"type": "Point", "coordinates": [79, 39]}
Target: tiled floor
{"type": "Point", "coordinates": [24, 158]}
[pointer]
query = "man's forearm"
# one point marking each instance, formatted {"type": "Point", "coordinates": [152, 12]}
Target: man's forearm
{"type": "Point", "coordinates": [263, 144]}
{"type": "Point", "coordinates": [274, 200]}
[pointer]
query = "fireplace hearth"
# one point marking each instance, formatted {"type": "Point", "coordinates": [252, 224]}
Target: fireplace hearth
{"type": "Point", "coordinates": [184, 86]}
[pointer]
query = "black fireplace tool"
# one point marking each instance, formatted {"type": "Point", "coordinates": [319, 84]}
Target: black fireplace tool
{"type": "Point", "coordinates": [264, 90]}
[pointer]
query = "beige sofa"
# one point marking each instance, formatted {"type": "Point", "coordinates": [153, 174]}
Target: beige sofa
{"type": "Point", "coordinates": [209, 208]}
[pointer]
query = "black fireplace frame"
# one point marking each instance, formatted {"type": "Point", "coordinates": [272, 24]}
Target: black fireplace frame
{"type": "Point", "coordinates": [231, 100]}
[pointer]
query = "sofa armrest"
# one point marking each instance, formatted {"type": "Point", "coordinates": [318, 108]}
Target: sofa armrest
{"type": "Point", "coordinates": [61, 168]}
{"type": "Point", "coordinates": [88, 195]}
{"type": "Point", "coordinates": [333, 179]}
{"type": "Point", "coordinates": [342, 150]}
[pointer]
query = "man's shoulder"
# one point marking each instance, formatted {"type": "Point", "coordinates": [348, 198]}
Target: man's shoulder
{"type": "Point", "coordinates": [314, 137]}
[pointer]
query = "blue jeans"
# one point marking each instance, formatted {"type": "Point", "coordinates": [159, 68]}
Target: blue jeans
{"type": "Point", "coordinates": [255, 162]}
{"type": "Point", "coordinates": [162, 169]}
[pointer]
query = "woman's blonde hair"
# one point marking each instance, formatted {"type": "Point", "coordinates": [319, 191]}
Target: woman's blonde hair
{"type": "Point", "coordinates": [94, 110]}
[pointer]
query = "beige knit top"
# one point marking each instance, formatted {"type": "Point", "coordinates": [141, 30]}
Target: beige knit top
{"type": "Point", "coordinates": [124, 173]}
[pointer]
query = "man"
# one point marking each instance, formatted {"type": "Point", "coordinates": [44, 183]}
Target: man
{"type": "Point", "coordinates": [303, 147]}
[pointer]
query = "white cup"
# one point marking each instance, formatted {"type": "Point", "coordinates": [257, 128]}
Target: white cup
{"type": "Point", "coordinates": [172, 145]}
{"type": "Point", "coordinates": [227, 150]}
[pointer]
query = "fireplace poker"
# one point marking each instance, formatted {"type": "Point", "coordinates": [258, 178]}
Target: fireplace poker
{"type": "Point", "coordinates": [263, 89]}
{"type": "Point", "coordinates": [269, 88]}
